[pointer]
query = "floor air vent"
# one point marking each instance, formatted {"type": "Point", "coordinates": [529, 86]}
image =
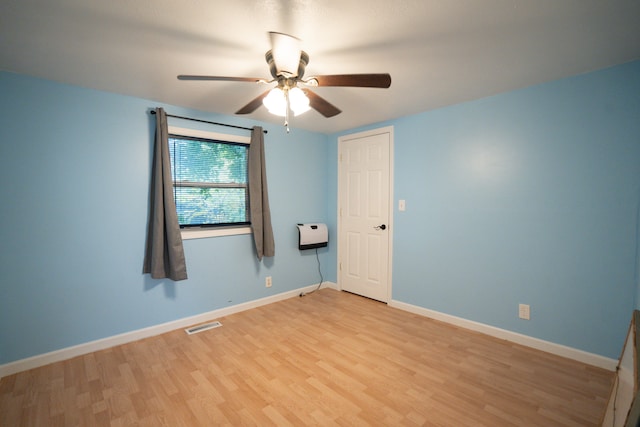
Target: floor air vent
{"type": "Point", "coordinates": [204, 327]}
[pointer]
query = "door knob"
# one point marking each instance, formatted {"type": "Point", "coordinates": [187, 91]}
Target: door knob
{"type": "Point", "coordinates": [380, 227]}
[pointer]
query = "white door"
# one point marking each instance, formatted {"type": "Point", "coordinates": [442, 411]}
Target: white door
{"type": "Point", "coordinates": [364, 213]}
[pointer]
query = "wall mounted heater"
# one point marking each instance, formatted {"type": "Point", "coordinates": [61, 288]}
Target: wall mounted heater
{"type": "Point", "coordinates": [312, 236]}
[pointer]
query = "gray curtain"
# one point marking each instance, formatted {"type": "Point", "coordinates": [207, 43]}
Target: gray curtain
{"type": "Point", "coordinates": [259, 198]}
{"type": "Point", "coordinates": [164, 255]}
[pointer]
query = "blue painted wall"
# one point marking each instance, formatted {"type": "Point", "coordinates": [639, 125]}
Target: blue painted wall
{"type": "Point", "coordinates": [74, 181]}
{"type": "Point", "coordinates": [527, 197]}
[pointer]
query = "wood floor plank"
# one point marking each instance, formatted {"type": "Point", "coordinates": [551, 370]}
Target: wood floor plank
{"type": "Point", "coordinates": [327, 359]}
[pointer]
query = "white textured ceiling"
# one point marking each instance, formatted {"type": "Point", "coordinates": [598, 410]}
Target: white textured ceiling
{"type": "Point", "coordinates": [438, 52]}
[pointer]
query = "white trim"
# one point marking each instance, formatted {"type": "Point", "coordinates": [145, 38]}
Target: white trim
{"type": "Point", "coordinates": [101, 344]}
{"type": "Point", "coordinates": [201, 233]}
{"type": "Point", "coordinates": [547, 346]}
{"type": "Point", "coordinates": [206, 134]}
{"type": "Point", "coordinates": [390, 228]}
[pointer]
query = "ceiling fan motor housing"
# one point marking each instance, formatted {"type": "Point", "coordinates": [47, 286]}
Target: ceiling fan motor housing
{"type": "Point", "coordinates": [304, 61]}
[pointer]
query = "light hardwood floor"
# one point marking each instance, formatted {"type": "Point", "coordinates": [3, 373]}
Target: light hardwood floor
{"type": "Point", "coordinates": [328, 359]}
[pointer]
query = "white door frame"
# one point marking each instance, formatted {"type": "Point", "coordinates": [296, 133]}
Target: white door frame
{"type": "Point", "coordinates": [377, 131]}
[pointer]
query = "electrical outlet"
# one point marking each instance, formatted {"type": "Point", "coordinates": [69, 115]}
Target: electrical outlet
{"type": "Point", "coordinates": [267, 282]}
{"type": "Point", "coordinates": [524, 311]}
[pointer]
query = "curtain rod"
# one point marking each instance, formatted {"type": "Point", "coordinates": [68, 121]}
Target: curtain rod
{"type": "Point", "coordinates": [206, 121]}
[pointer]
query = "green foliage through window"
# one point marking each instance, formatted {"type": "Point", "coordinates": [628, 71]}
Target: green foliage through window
{"type": "Point", "coordinates": [210, 181]}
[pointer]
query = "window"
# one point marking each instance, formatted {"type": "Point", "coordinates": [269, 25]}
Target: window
{"type": "Point", "coordinates": [210, 180]}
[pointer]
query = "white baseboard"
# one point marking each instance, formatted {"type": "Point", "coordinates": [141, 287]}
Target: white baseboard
{"type": "Point", "coordinates": [549, 347]}
{"type": "Point", "coordinates": [101, 344]}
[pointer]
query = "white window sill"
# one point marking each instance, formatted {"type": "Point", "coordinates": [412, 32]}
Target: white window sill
{"type": "Point", "coordinates": [202, 233]}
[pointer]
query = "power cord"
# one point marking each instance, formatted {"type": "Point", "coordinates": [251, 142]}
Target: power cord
{"type": "Point", "coordinates": [321, 278]}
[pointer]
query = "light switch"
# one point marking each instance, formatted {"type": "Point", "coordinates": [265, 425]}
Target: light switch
{"type": "Point", "coordinates": [402, 205]}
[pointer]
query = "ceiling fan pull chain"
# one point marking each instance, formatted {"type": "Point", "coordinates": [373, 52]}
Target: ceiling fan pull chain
{"type": "Point", "coordinates": [286, 108]}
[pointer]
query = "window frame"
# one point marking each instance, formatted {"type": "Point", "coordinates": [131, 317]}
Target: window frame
{"type": "Point", "coordinates": [205, 232]}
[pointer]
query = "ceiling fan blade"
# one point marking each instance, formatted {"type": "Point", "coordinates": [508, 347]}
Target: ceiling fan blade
{"type": "Point", "coordinates": [221, 78]}
{"type": "Point", "coordinates": [321, 105]}
{"type": "Point", "coordinates": [355, 80]}
{"type": "Point", "coordinates": [253, 105]}
{"type": "Point", "coordinates": [286, 51]}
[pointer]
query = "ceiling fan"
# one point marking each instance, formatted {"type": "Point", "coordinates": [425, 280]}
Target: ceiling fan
{"type": "Point", "coordinates": [287, 63]}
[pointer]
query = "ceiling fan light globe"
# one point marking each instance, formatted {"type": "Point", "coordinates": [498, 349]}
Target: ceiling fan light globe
{"type": "Point", "coordinates": [276, 102]}
{"type": "Point", "coordinates": [297, 112]}
{"type": "Point", "coordinates": [298, 101]}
